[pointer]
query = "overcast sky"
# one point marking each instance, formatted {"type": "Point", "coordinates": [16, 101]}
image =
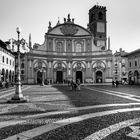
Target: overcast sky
{"type": "Point", "coordinates": [33, 16]}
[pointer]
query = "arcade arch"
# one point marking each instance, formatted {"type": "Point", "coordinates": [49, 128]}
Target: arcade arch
{"type": "Point", "coordinates": [60, 72]}
{"type": "Point", "coordinates": [40, 71]}
{"type": "Point", "coordinates": [99, 71]}
{"type": "Point", "coordinates": [136, 77]}
{"type": "Point", "coordinates": [79, 71]}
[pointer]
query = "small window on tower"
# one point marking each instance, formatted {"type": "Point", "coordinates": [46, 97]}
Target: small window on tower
{"type": "Point", "coordinates": [91, 19]}
{"type": "Point", "coordinates": [100, 15]}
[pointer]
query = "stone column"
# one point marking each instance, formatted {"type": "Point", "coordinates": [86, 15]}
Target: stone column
{"type": "Point", "coordinates": [35, 76]}
{"type": "Point", "coordinates": [0, 75]}
{"type": "Point", "coordinates": [31, 74]}
{"type": "Point", "coordinates": [51, 71]}
{"type": "Point", "coordinates": [83, 75]}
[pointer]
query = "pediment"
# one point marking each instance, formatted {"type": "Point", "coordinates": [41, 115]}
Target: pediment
{"type": "Point", "coordinates": [69, 30]}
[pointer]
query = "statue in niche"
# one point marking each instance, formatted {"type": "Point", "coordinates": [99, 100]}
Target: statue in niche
{"type": "Point", "coordinates": [99, 64]}
{"type": "Point", "coordinates": [59, 65]}
{"type": "Point", "coordinates": [78, 65]}
{"type": "Point", "coordinates": [39, 65]}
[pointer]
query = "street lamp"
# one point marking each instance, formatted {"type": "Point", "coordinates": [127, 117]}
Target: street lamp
{"type": "Point", "coordinates": [21, 48]}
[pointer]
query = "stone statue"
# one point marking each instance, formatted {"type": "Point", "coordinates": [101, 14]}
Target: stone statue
{"type": "Point", "coordinates": [68, 17]}
{"type": "Point", "coordinates": [49, 24]}
{"type": "Point", "coordinates": [64, 19]}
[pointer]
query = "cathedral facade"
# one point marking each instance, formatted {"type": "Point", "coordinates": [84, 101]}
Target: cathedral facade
{"type": "Point", "coordinates": [71, 52]}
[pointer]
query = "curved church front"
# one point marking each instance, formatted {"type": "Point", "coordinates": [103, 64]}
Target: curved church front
{"type": "Point", "coordinates": [71, 51]}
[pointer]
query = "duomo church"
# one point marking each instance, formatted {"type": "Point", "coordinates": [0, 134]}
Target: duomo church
{"type": "Point", "coordinates": [71, 51]}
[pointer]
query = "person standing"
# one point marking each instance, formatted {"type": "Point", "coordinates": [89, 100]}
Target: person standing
{"type": "Point", "coordinates": [117, 83]}
{"type": "Point", "coordinates": [113, 83]}
{"type": "Point", "coordinates": [78, 84]}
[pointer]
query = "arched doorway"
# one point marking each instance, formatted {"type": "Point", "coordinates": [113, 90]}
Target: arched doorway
{"type": "Point", "coordinates": [7, 75]}
{"type": "Point", "coordinates": [131, 77]}
{"type": "Point", "coordinates": [79, 76]}
{"type": "Point", "coordinates": [39, 77]}
{"type": "Point", "coordinates": [99, 78]}
{"type": "Point", "coordinates": [13, 76]}
{"type": "Point", "coordinates": [10, 76]}
{"type": "Point", "coordinates": [136, 77]}
{"type": "Point", "coordinates": [3, 75]}
{"type": "Point", "coordinates": [59, 77]}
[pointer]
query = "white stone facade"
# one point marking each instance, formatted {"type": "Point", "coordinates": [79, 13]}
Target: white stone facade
{"type": "Point", "coordinates": [69, 52]}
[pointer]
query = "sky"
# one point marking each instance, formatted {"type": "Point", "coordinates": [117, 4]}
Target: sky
{"type": "Point", "coordinates": [33, 16]}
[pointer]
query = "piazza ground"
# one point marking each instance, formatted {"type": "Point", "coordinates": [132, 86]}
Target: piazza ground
{"type": "Point", "coordinates": [57, 113]}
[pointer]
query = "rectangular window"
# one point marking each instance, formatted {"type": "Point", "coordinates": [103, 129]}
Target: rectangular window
{"type": "Point", "coordinates": [130, 64]}
{"type": "Point", "coordinates": [135, 63]}
{"type": "Point", "coordinates": [3, 59]}
{"type": "Point", "coordinates": [7, 60]}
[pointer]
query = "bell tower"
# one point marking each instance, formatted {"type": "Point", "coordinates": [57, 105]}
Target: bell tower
{"type": "Point", "coordinates": [97, 25]}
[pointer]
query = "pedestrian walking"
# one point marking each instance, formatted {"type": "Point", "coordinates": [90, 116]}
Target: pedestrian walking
{"type": "Point", "coordinates": [71, 85]}
{"type": "Point", "coordinates": [117, 83]}
{"type": "Point", "coordinates": [78, 84]}
{"type": "Point", "coordinates": [113, 83]}
{"type": "Point", "coordinates": [75, 86]}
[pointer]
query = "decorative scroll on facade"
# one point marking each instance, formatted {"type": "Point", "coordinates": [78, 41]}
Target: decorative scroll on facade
{"type": "Point", "coordinates": [59, 67]}
{"type": "Point", "coordinates": [39, 66]}
{"type": "Point", "coordinates": [69, 29]}
{"type": "Point", "coordinates": [99, 66]}
{"type": "Point", "coordinates": [79, 67]}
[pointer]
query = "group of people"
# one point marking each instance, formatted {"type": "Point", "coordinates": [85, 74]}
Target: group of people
{"type": "Point", "coordinates": [115, 83]}
{"type": "Point", "coordinates": [75, 85]}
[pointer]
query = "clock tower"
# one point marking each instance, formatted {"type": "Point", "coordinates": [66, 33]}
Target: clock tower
{"type": "Point", "coordinates": [97, 25]}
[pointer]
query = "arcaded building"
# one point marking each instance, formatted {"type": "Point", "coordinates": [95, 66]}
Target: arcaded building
{"type": "Point", "coordinates": [7, 63]}
{"type": "Point", "coordinates": [71, 51]}
{"type": "Point", "coordinates": [133, 66]}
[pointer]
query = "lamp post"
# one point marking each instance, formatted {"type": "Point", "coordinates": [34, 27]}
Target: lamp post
{"type": "Point", "coordinates": [18, 97]}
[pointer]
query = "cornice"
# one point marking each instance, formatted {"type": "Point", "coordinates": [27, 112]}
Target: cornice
{"type": "Point", "coordinates": [75, 36]}
{"type": "Point", "coordinates": [71, 56]}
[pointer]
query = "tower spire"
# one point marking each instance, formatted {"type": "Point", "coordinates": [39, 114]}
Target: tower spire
{"type": "Point", "coordinates": [109, 43]}
{"type": "Point", "coordinates": [30, 42]}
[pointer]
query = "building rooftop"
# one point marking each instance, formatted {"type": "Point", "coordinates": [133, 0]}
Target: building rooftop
{"type": "Point", "coordinates": [132, 53]}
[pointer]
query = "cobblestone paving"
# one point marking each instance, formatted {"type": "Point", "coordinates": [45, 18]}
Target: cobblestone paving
{"type": "Point", "coordinates": [48, 105]}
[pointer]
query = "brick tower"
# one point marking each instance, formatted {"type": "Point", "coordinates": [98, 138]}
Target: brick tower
{"type": "Point", "coordinates": [97, 25]}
